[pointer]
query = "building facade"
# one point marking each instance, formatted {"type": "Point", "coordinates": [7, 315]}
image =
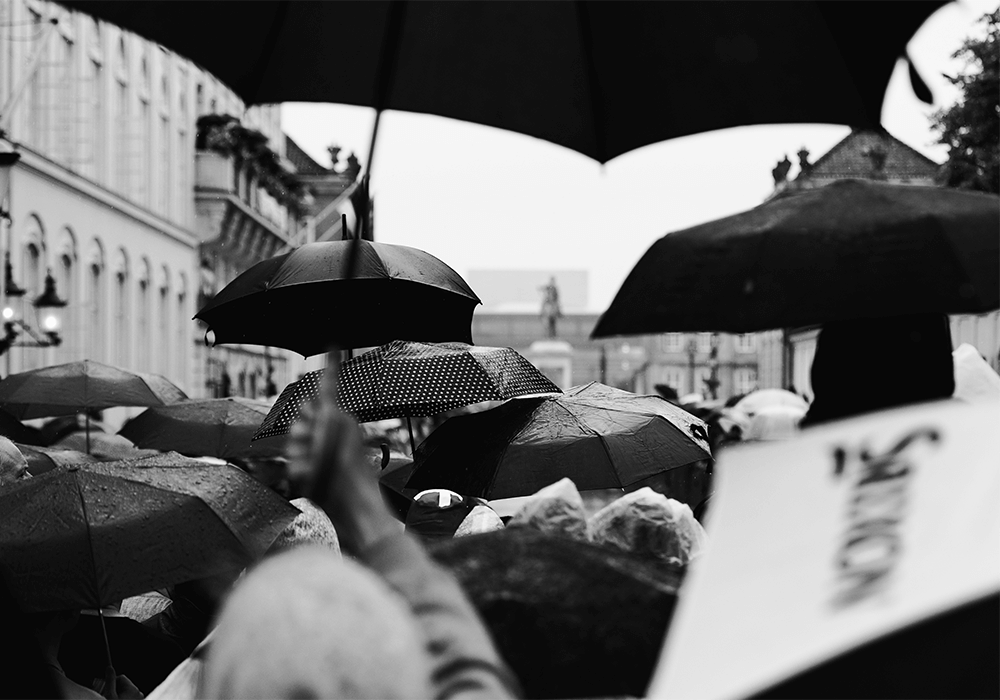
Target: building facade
{"type": "Point", "coordinates": [135, 219]}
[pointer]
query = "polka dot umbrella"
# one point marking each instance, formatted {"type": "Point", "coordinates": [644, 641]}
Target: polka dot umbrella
{"type": "Point", "coordinates": [405, 378]}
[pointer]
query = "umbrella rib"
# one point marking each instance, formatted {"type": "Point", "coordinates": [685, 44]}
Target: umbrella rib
{"type": "Point", "coordinates": [593, 89]}
{"type": "Point", "coordinates": [594, 433]}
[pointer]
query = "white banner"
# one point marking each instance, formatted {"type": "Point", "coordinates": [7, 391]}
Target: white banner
{"type": "Point", "coordinates": [822, 543]}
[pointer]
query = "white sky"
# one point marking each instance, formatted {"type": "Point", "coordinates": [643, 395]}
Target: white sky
{"type": "Point", "coordinates": [483, 198]}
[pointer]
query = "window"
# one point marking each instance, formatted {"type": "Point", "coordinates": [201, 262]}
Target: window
{"type": "Point", "coordinates": [32, 270]}
{"type": "Point", "coordinates": [182, 340]}
{"type": "Point", "coordinates": [744, 380]}
{"type": "Point", "coordinates": [123, 338]}
{"type": "Point", "coordinates": [92, 88]}
{"type": "Point", "coordinates": [37, 112]}
{"type": "Point", "coordinates": [746, 342]}
{"type": "Point", "coordinates": [675, 378]}
{"type": "Point", "coordinates": [165, 187]}
{"type": "Point", "coordinates": [672, 342]}
{"type": "Point", "coordinates": [63, 84]}
{"type": "Point", "coordinates": [163, 335]}
{"type": "Point", "coordinates": [66, 285]}
{"type": "Point", "coordinates": [95, 308]}
{"type": "Point", "coordinates": [705, 342]}
{"type": "Point", "coordinates": [140, 163]}
{"type": "Point", "coordinates": [145, 360]}
{"type": "Point", "coordinates": [123, 138]}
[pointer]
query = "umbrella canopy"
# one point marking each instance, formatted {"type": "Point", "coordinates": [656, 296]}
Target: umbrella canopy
{"type": "Point", "coordinates": [104, 446]}
{"type": "Point", "coordinates": [414, 379]}
{"type": "Point", "coordinates": [87, 535]}
{"type": "Point", "coordinates": [307, 299]}
{"type": "Point", "coordinates": [45, 459]}
{"type": "Point", "coordinates": [210, 428]}
{"type": "Point", "coordinates": [752, 403]}
{"type": "Point", "coordinates": [15, 430]}
{"type": "Point", "coordinates": [62, 390]}
{"type": "Point", "coordinates": [601, 78]}
{"type": "Point", "coordinates": [598, 436]}
{"type": "Point", "coordinates": [825, 543]}
{"type": "Point", "coordinates": [850, 249]}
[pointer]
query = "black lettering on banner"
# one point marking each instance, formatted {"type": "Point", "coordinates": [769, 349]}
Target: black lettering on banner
{"type": "Point", "coordinates": [871, 544]}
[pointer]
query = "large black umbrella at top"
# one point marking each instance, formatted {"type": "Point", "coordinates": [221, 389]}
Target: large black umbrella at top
{"type": "Point", "coordinates": [851, 249]}
{"type": "Point", "coordinates": [601, 78]}
{"type": "Point", "coordinates": [317, 295]}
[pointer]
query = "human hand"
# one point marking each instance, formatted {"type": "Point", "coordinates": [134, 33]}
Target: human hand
{"type": "Point", "coordinates": [326, 461]}
{"type": "Point", "coordinates": [117, 687]}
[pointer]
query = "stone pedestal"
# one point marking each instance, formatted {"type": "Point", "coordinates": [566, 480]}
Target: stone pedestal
{"type": "Point", "coordinates": [554, 359]}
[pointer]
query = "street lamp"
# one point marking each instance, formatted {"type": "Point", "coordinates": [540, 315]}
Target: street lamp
{"type": "Point", "coordinates": [47, 304]}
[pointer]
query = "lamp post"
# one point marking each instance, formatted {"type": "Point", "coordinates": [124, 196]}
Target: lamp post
{"type": "Point", "coordinates": [47, 305]}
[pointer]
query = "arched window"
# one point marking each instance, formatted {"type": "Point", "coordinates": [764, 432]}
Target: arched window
{"type": "Point", "coordinates": [165, 343]}
{"type": "Point", "coordinates": [143, 309]}
{"type": "Point", "coordinates": [123, 339]}
{"type": "Point", "coordinates": [182, 342]}
{"type": "Point", "coordinates": [96, 330]}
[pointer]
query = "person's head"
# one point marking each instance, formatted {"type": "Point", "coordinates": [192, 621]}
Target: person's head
{"type": "Point", "coordinates": [311, 526]}
{"type": "Point", "coordinates": [865, 365]}
{"type": "Point", "coordinates": [308, 624]}
{"type": "Point", "coordinates": [13, 465]}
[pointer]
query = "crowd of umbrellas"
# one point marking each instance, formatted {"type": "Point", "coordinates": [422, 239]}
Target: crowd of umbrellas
{"type": "Point", "coordinates": [852, 558]}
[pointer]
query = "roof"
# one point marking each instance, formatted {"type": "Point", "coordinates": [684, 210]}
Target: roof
{"type": "Point", "coordinates": [852, 158]}
{"type": "Point", "coordinates": [303, 162]}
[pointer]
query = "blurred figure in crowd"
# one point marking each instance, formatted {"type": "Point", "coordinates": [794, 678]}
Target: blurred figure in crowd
{"type": "Point", "coordinates": [296, 626]}
{"type": "Point", "coordinates": [864, 365]}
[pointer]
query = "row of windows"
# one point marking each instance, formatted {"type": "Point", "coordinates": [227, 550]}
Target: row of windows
{"type": "Point", "coordinates": [678, 342]}
{"type": "Point", "coordinates": [113, 107]}
{"type": "Point", "coordinates": [139, 319]}
{"type": "Point", "coordinates": [679, 378]}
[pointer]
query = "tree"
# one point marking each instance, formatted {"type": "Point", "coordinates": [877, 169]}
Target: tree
{"type": "Point", "coordinates": [971, 127]}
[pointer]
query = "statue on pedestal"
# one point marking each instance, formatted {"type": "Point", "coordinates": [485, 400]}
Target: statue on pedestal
{"type": "Point", "coordinates": [550, 307]}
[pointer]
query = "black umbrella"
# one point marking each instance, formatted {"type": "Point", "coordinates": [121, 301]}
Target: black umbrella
{"type": "Point", "coordinates": [404, 379]}
{"type": "Point", "coordinates": [205, 428]}
{"type": "Point", "coordinates": [598, 436]}
{"type": "Point", "coordinates": [317, 295]}
{"type": "Point", "coordinates": [601, 78]}
{"type": "Point", "coordinates": [82, 386]}
{"type": "Point", "coordinates": [850, 249]}
{"type": "Point", "coordinates": [87, 535]}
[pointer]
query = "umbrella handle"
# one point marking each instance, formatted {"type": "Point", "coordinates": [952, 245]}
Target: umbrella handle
{"type": "Point", "coordinates": [107, 646]}
{"type": "Point", "coordinates": [410, 426]}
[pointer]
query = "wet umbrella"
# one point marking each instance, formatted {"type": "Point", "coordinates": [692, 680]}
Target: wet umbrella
{"type": "Point", "coordinates": [15, 430]}
{"type": "Point", "coordinates": [82, 386]}
{"type": "Point", "coordinates": [317, 295]}
{"type": "Point", "coordinates": [598, 436]}
{"type": "Point", "coordinates": [753, 402]}
{"type": "Point", "coordinates": [859, 559]}
{"type": "Point", "coordinates": [404, 379]}
{"type": "Point", "coordinates": [601, 78]}
{"type": "Point", "coordinates": [851, 249]}
{"type": "Point", "coordinates": [88, 535]}
{"type": "Point", "coordinates": [208, 427]}
{"type": "Point", "coordinates": [45, 459]}
{"type": "Point", "coordinates": [106, 447]}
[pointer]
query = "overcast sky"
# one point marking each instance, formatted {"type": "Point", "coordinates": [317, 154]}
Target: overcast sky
{"type": "Point", "coordinates": [483, 198]}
